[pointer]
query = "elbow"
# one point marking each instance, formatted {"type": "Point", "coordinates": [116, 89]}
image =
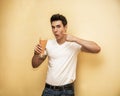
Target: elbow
{"type": "Point", "coordinates": [97, 50]}
{"type": "Point", "coordinates": [34, 65]}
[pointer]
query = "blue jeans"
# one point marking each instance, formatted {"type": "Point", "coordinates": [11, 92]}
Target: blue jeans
{"type": "Point", "coordinates": [64, 92]}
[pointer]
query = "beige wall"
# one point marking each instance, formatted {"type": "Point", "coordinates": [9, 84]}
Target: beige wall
{"type": "Point", "coordinates": [22, 22]}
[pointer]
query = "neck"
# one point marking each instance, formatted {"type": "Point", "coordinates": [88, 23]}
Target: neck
{"type": "Point", "coordinates": [61, 41]}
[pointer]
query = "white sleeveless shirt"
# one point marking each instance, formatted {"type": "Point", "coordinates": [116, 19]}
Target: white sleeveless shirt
{"type": "Point", "coordinates": [62, 61]}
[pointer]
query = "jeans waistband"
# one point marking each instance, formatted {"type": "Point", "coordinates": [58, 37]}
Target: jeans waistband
{"type": "Point", "coordinates": [63, 87]}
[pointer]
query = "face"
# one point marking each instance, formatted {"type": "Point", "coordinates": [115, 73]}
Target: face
{"type": "Point", "coordinates": [58, 29]}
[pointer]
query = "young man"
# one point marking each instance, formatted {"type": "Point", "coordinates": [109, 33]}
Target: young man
{"type": "Point", "coordinates": [62, 58]}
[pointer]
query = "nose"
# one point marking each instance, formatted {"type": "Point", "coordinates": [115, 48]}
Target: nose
{"type": "Point", "coordinates": [55, 30]}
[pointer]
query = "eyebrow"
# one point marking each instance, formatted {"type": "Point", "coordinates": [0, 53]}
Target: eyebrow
{"type": "Point", "coordinates": [56, 25]}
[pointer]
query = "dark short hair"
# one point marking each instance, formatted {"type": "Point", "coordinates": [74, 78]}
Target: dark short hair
{"type": "Point", "coordinates": [60, 17]}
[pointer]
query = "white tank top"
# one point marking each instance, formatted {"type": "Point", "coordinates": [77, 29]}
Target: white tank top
{"type": "Point", "coordinates": [62, 61]}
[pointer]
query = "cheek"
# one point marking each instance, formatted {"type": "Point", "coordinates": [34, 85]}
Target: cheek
{"type": "Point", "coordinates": [62, 31]}
{"type": "Point", "coordinates": [59, 32]}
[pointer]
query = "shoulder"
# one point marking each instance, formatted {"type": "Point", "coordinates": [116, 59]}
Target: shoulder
{"type": "Point", "coordinates": [74, 44]}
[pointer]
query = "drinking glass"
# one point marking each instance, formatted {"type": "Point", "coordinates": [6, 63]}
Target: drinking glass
{"type": "Point", "coordinates": [43, 43]}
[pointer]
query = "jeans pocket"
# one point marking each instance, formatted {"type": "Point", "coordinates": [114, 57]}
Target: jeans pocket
{"type": "Point", "coordinates": [47, 92]}
{"type": "Point", "coordinates": [69, 92]}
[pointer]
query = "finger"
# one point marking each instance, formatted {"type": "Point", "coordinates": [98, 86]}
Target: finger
{"type": "Point", "coordinates": [39, 45]}
{"type": "Point", "coordinates": [38, 49]}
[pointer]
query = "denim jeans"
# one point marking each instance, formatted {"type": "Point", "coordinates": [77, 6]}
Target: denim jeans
{"type": "Point", "coordinates": [52, 92]}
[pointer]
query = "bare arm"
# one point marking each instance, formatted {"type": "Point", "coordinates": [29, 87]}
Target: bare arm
{"type": "Point", "coordinates": [87, 46]}
{"type": "Point", "coordinates": [37, 59]}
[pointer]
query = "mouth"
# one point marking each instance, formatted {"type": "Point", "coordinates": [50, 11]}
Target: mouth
{"type": "Point", "coordinates": [56, 35]}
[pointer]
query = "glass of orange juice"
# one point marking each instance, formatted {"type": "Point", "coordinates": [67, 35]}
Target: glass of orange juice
{"type": "Point", "coordinates": [43, 43]}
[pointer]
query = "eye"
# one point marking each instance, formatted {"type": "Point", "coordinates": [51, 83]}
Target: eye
{"type": "Point", "coordinates": [53, 27]}
{"type": "Point", "coordinates": [58, 26]}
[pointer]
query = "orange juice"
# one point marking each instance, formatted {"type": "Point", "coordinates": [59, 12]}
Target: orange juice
{"type": "Point", "coordinates": [43, 45]}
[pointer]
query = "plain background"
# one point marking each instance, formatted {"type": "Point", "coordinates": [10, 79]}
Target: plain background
{"type": "Point", "coordinates": [23, 22]}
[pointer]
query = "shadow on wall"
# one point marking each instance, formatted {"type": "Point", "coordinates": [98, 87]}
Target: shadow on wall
{"type": "Point", "coordinates": [90, 60]}
{"type": "Point", "coordinates": [88, 65]}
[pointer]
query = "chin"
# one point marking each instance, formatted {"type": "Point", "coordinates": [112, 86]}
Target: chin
{"type": "Point", "coordinates": [57, 38]}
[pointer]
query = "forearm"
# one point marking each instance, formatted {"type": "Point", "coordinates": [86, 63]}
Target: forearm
{"type": "Point", "coordinates": [88, 46]}
{"type": "Point", "coordinates": [37, 60]}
